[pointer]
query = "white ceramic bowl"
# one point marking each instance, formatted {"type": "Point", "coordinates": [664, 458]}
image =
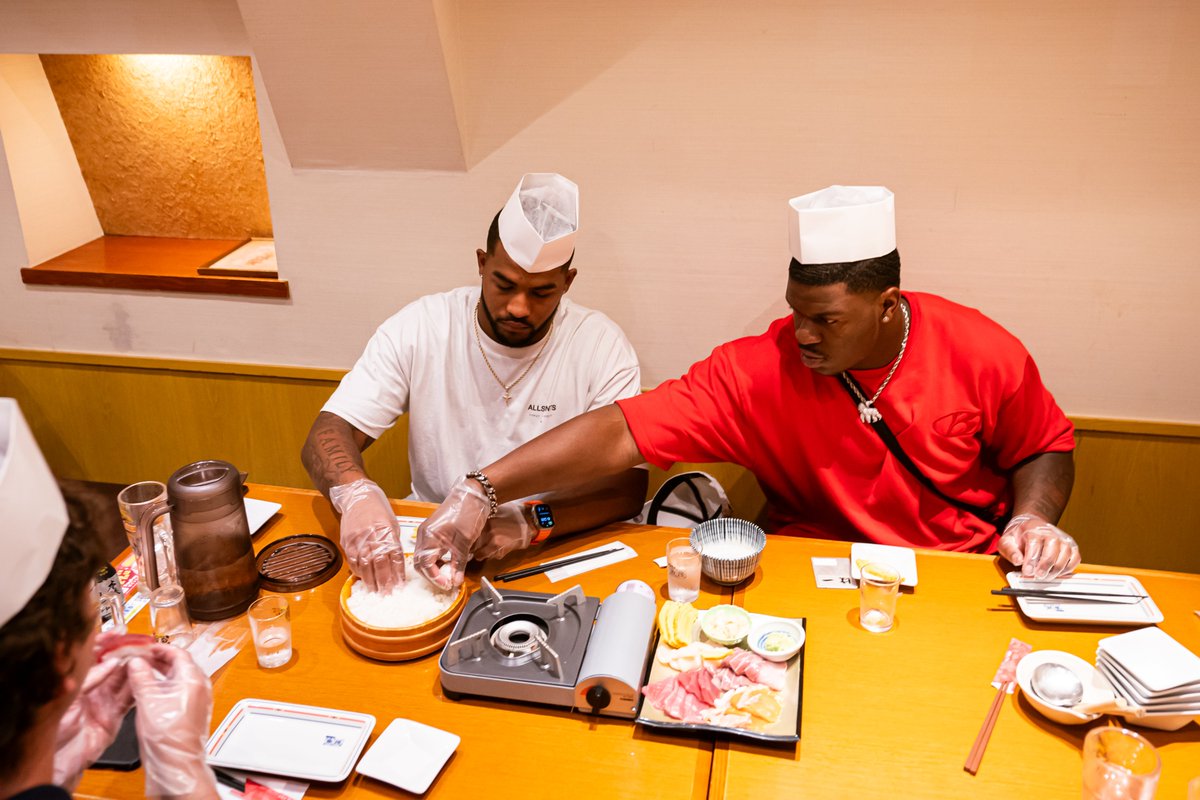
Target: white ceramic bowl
{"type": "Point", "coordinates": [1095, 687]}
{"type": "Point", "coordinates": [725, 624]}
{"type": "Point", "coordinates": [729, 549]}
{"type": "Point", "coordinates": [758, 639]}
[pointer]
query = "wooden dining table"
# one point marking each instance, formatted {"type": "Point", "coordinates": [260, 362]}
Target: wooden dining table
{"type": "Point", "coordinates": [883, 715]}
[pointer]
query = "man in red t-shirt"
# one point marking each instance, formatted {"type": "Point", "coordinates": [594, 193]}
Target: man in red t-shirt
{"type": "Point", "coordinates": [980, 457]}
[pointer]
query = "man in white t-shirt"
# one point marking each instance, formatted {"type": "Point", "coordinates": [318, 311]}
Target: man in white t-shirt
{"type": "Point", "coordinates": [480, 371]}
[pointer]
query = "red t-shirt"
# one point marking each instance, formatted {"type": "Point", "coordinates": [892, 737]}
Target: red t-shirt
{"type": "Point", "coordinates": [967, 405]}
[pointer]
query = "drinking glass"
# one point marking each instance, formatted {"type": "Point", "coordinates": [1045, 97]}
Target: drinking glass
{"type": "Point", "coordinates": [169, 616]}
{"type": "Point", "coordinates": [132, 501]}
{"type": "Point", "coordinates": [878, 588]}
{"type": "Point", "coordinates": [271, 626]}
{"type": "Point", "coordinates": [1118, 763]}
{"type": "Point", "coordinates": [683, 571]}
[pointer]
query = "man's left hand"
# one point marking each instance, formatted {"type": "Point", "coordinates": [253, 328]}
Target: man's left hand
{"type": "Point", "coordinates": [1042, 550]}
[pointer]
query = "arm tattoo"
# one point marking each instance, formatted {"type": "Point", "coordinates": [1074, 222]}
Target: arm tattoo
{"type": "Point", "coordinates": [332, 454]}
{"type": "Point", "coordinates": [1042, 485]}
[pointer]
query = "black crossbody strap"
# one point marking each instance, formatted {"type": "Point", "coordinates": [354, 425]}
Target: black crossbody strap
{"type": "Point", "coordinates": [893, 444]}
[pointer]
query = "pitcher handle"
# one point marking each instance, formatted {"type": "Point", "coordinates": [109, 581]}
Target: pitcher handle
{"type": "Point", "coordinates": [145, 534]}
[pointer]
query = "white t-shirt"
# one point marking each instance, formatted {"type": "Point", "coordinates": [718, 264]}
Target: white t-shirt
{"type": "Point", "coordinates": [424, 360]}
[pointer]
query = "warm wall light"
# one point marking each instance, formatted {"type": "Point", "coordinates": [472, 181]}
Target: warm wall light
{"type": "Point", "coordinates": [160, 71]}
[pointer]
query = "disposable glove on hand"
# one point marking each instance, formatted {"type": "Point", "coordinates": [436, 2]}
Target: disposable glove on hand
{"type": "Point", "coordinates": [445, 540]}
{"type": "Point", "coordinates": [370, 534]}
{"type": "Point", "coordinates": [92, 721]}
{"type": "Point", "coordinates": [509, 530]}
{"type": "Point", "coordinates": [1042, 550]}
{"type": "Point", "coordinates": [173, 713]}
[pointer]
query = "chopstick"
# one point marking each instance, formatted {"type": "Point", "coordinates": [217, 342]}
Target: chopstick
{"type": "Point", "coordinates": [985, 732]}
{"type": "Point", "coordinates": [549, 565]}
{"type": "Point", "coordinates": [226, 779]}
{"type": "Point", "coordinates": [1079, 597]}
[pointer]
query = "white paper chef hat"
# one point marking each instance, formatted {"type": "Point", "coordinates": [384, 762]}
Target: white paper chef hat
{"type": "Point", "coordinates": [33, 516]}
{"type": "Point", "coordinates": [842, 223]}
{"type": "Point", "coordinates": [539, 222]}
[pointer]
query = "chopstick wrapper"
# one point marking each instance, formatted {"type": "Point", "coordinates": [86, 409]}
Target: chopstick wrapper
{"type": "Point", "coordinates": [571, 570]}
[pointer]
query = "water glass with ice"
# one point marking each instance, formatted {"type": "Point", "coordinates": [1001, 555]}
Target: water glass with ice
{"type": "Point", "coordinates": [271, 626]}
{"type": "Point", "coordinates": [683, 571]}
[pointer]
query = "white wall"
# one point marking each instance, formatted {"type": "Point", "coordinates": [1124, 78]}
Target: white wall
{"type": "Point", "coordinates": [1043, 156]}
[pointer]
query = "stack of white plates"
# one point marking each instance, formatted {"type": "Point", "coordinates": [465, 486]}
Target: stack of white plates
{"type": "Point", "coordinates": [1153, 671]}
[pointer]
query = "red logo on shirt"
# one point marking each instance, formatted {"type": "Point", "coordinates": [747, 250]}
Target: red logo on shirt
{"type": "Point", "coordinates": [958, 423]}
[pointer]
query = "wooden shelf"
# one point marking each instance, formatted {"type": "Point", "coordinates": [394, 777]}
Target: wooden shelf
{"type": "Point", "coordinates": [151, 263]}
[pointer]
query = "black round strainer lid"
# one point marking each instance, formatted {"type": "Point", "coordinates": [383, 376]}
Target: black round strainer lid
{"type": "Point", "coordinates": [295, 563]}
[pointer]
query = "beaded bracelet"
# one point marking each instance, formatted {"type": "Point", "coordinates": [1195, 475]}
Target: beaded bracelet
{"type": "Point", "coordinates": [487, 487]}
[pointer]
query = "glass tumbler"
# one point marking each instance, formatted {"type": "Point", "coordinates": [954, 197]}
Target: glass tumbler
{"type": "Point", "coordinates": [1118, 763]}
{"type": "Point", "coordinates": [169, 616]}
{"type": "Point", "coordinates": [271, 626]}
{"type": "Point", "coordinates": [878, 589]}
{"type": "Point", "coordinates": [683, 571]}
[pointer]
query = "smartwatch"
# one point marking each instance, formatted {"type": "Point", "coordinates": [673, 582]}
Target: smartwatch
{"type": "Point", "coordinates": [543, 520]}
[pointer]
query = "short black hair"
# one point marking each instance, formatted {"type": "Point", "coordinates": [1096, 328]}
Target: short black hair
{"type": "Point", "coordinates": [31, 642]}
{"type": "Point", "coordinates": [869, 275]}
{"type": "Point", "coordinates": [494, 236]}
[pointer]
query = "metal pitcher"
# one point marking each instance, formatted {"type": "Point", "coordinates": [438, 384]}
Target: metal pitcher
{"type": "Point", "coordinates": [213, 552]}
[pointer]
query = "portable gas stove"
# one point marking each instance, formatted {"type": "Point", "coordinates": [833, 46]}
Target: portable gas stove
{"type": "Point", "coordinates": [564, 650]}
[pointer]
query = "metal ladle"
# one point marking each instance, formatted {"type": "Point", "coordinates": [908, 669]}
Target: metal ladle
{"type": "Point", "coordinates": [1057, 685]}
{"type": "Point", "coordinates": [1060, 686]}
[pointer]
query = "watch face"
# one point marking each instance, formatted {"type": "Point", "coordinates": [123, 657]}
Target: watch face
{"type": "Point", "coordinates": [542, 515]}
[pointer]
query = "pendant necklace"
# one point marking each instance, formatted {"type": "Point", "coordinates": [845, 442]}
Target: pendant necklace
{"type": "Point", "coordinates": [508, 389]}
{"type": "Point", "coordinates": [867, 412]}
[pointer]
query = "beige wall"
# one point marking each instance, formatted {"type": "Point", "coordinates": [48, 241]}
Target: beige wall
{"type": "Point", "coordinates": [1043, 155]}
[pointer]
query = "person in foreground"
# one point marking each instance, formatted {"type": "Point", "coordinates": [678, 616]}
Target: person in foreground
{"type": "Point", "coordinates": [62, 707]}
{"type": "Point", "coordinates": [803, 407]}
{"type": "Point", "coordinates": [480, 371]}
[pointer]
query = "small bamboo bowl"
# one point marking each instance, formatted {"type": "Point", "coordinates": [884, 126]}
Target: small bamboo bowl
{"type": "Point", "coordinates": [398, 644]}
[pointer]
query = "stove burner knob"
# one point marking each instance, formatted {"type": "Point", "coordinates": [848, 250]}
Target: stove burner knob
{"type": "Point", "coordinates": [598, 697]}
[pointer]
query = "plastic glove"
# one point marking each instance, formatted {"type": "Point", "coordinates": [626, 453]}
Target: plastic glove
{"type": "Point", "coordinates": [92, 721]}
{"type": "Point", "coordinates": [446, 539]}
{"type": "Point", "coordinates": [509, 530]}
{"type": "Point", "coordinates": [370, 534]}
{"type": "Point", "coordinates": [1042, 550]}
{"type": "Point", "coordinates": [173, 713]}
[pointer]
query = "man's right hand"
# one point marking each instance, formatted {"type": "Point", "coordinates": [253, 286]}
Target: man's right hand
{"type": "Point", "coordinates": [370, 534]}
{"type": "Point", "coordinates": [445, 540]}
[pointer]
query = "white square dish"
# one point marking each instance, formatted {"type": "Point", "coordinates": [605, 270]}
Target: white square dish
{"type": "Point", "coordinates": [1154, 659]}
{"type": "Point", "coordinates": [409, 755]}
{"type": "Point", "coordinates": [1044, 609]}
{"type": "Point", "coordinates": [308, 742]}
{"type": "Point", "coordinates": [258, 512]}
{"type": "Point", "coordinates": [901, 559]}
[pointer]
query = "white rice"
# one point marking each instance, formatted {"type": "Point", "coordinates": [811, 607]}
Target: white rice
{"type": "Point", "coordinates": [411, 604]}
{"type": "Point", "coordinates": [726, 550]}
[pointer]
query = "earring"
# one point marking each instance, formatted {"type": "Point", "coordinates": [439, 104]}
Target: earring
{"type": "Point", "coordinates": [886, 318]}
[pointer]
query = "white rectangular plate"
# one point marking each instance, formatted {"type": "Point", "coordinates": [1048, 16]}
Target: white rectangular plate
{"type": "Point", "coordinates": [1154, 659]}
{"type": "Point", "coordinates": [408, 755]}
{"type": "Point", "coordinates": [316, 744]}
{"type": "Point", "coordinates": [258, 512]}
{"type": "Point", "coordinates": [1144, 612]}
{"type": "Point", "coordinates": [901, 559]}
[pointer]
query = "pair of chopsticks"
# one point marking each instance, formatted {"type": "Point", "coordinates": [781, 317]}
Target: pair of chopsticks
{"type": "Point", "coordinates": [1071, 594]}
{"type": "Point", "coordinates": [975, 757]}
{"type": "Point", "coordinates": [226, 779]}
{"type": "Point", "coordinates": [549, 565]}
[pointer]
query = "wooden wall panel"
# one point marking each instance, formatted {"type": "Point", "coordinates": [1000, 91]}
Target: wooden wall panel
{"type": "Point", "coordinates": [120, 420]}
{"type": "Point", "coordinates": [1134, 501]}
{"type": "Point", "coordinates": [121, 424]}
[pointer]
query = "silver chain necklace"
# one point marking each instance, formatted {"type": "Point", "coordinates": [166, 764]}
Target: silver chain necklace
{"type": "Point", "coordinates": [507, 389]}
{"type": "Point", "coordinates": [867, 412]}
